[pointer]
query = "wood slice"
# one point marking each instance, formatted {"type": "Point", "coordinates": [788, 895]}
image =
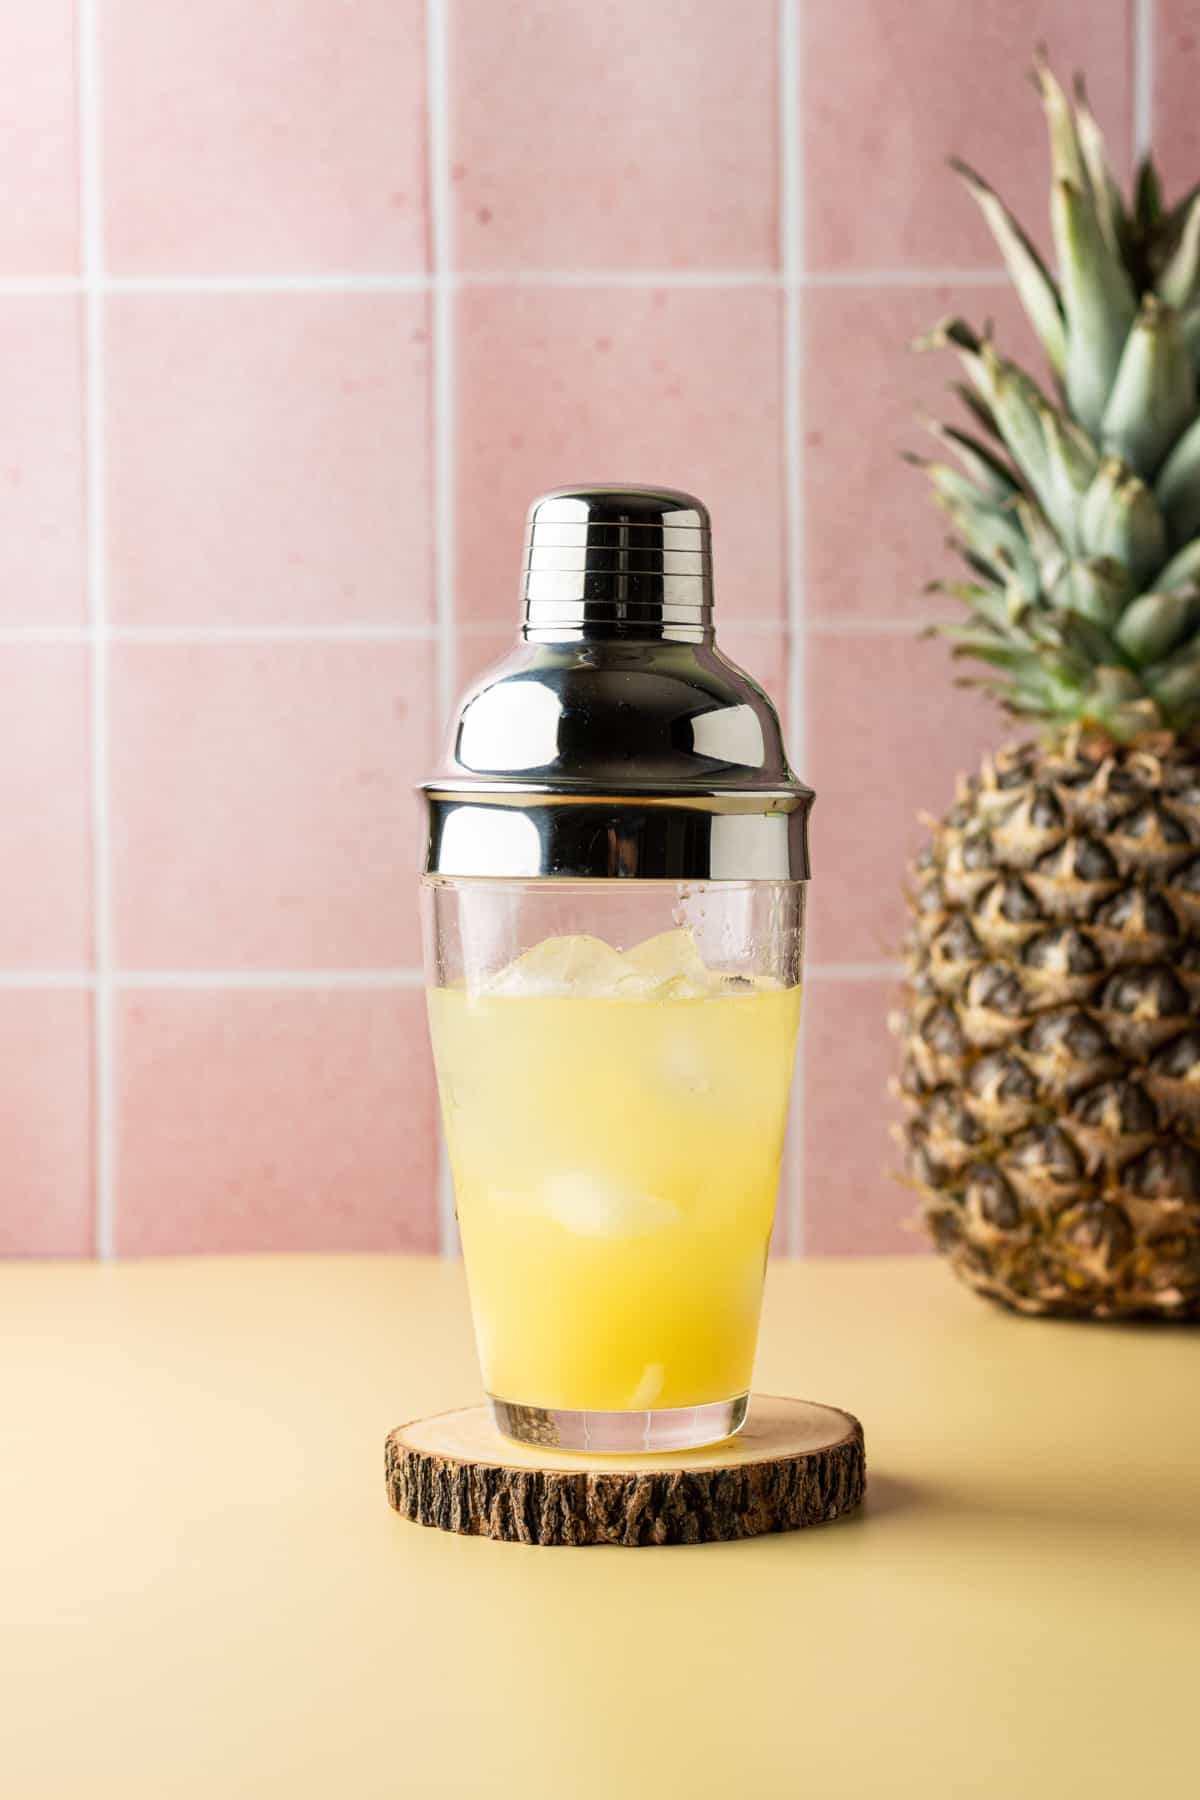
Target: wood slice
{"type": "Point", "coordinates": [794, 1463]}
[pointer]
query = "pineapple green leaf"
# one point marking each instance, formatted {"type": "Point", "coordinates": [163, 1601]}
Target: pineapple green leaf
{"type": "Point", "coordinates": [1118, 704]}
{"type": "Point", "coordinates": [1147, 197]}
{"type": "Point", "coordinates": [996, 573]}
{"type": "Point", "coordinates": [1154, 624]}
{"type": "Point", "coordinates": [1122, 519]}
{"type": "Point", "coordinates": [989, 470]}
{"type": "Point", "coordinates": [1170, 228]}
{"type": "Point", "coordinates": [1098, 501]}
{"type": "Point", "coordinates": [1034, 284]}
{"type": "Point", "coordinates": [1080, 528]}
{"type": "Point", "coordinates": [1071, 461]}
{"type": "Point", "coordinates": [1066, 153]}
{"type": "Point", "coordinates": [1175, 685]}
{"type": "Point", "coordinates": [1019, 406]}
{"type": "Point", "coordinates": [1099, 301]}
{"type": "Point", "coordinates": [1175, 216]}
{"type": "Point", "coordinates": [1097, 588]}
{"type": "Point", "coordinates": [1182, 570]}
{"type": "Point", "coordinates": [1014, 401]}
{"type": "Point", "coordinates": [1110, 208]}
{"type": "Point", "coordinates": [1176, 284]}
{"type": "Point", "coordinates": [1043, 541]}
{"type": "Point", "coordinates": [1113, 683]}
{"type": "Point", "coordinates": [994, 534]}
{"type": "Point", "coordinates": [949, 484]}
{"type": "Point", "coordinates": [1189, 325]}
{"type": "Point", "coordinates": [1177, 489]}
{"type": "Point", "coordinates": [987, 647]}
{"type": "Point", "coordinates": [1186, 716]}
{"type": "Point", "coordinates": [978, 408]}
{"type": "Point", "coordinates": [1028, 673]}
{"type": "Point", "coordinates": [1050, 702]}
{"type": "Point", "coordinates": [953, 333]}
{"type": "Point", "coordinates": [994, 606]}
{"type": "Point", "coordinates": [1154, 395]}
{"type": "Point", "coordinates": [1072, 633]}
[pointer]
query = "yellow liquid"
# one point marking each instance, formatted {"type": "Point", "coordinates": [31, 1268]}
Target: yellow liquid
{"type": "Point", "coordinates": [616, 1162]}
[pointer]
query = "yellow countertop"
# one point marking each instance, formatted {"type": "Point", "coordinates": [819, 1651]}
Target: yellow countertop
{"type": "Point", "coordinates": [203, 1592]}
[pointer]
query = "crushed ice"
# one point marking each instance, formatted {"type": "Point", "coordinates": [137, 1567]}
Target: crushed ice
{"type": "Point", "coordinates": [666, 967]}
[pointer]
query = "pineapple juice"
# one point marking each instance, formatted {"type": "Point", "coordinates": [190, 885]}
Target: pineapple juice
{"type": "Point", "coordinates": [615, 1124]}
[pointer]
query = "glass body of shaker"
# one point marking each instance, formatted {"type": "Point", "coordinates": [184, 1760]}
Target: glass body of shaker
{"type": "Point", "coordinates": [614, 1062]}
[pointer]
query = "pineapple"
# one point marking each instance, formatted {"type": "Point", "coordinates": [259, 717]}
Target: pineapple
{"type": "Point", "coordinates": [1051, 1021]}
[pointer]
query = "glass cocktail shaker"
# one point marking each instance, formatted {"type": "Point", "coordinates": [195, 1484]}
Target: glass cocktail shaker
{"type": "Point", "coordinates": [613, 906]}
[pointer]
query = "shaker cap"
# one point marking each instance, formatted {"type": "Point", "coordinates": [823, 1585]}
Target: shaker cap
{"type": "Point", "coordinates": [597, 556]}
{"type": "Point", "coordinates": [615, 740]}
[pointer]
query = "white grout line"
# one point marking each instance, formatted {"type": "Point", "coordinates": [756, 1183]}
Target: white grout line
{"type": "Point", "coordinates": [269, 978]}
{"type": "Point", "coordinates": [269, 283]}
{"type": "Point", "coordinates": [791, 247]}
{"type": "Point", "coordinates": [860, 971]}
{"type": "Point", "coordinates": [902, 278]}
{"type": "Point", "coordinates": [442, 350]}
{"type": "Point", "coordinates": [621, 278]}
{"type": "Point", "coordinates": [850, 627]}
{"type": "Point", "coordinates": [330, 978]}
{"type": "Point", "coordinates": [47, 634]}
{"type": "Point", "coordinates": [364, 633]}
{"type": "Point", "coordinates": [47, 978]}
{"type": "Point", "coordinates": [17, 287]}
{"type": "Point", "coordinates": [104, 1197]}
{"type": "Point", "coordinates": [734, 627]}
{"type": "Point", "coordinates": [202, 979]}
{"type": "Point", "coordinates": [1143, 77]}
{"type": "Point", "coordinates": [199, 285]}
{"type": "Point", "coordinates": [443, 423]}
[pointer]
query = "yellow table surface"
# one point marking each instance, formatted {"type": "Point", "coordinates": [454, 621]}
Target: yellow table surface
{"type": "Point", "coordinates": [203, 1592]}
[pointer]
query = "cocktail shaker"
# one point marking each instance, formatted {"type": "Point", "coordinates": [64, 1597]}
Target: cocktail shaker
{"type": "Point", "coordinates": [613, 904]}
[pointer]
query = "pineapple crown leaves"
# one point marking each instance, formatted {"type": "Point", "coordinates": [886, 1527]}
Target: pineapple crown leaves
{"type": "Point", "coordinates": [1076, 504]}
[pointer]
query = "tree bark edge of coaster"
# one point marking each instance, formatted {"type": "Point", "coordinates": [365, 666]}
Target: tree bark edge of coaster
{"type": "Point", "coordinates": [795, 1464]}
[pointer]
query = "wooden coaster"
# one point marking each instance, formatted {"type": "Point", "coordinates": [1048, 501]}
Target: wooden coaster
{"type": "Point", "coordinates": [794, 1463]}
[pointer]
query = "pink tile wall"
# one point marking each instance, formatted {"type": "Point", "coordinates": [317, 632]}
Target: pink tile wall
{"type": "Point", "coordinates": [284, 1119]}
{"type": "Point", "coordinates": [270, 459]}
{"type": "Point", "coordinates": [279, 828]}
{"type": "Point", "coordinates": [622, 136]}
{"type": "Point", "coordinates": [892, 88]}
{"type": "Point", "coordinates": [272, 138]}
{"type": "Point", "coordinates": [299, 305]}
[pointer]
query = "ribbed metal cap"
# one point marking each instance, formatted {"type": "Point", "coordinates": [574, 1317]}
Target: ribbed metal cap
{"type": "Point", "coordinates": [626, 556]}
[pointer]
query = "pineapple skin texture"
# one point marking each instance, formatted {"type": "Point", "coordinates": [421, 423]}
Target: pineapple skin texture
{"type": "Point", "coordinates": [1051, 1031]}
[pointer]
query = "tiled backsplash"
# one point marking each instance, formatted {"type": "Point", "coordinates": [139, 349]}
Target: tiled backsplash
{"type": "Point", "coordinates": [299, 305]}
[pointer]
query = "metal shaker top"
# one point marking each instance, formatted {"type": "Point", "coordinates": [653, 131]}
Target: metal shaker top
{"type": "Point", "coordinates": [615, 741]}
{"type": "Point", "coordinates": [603, 556]}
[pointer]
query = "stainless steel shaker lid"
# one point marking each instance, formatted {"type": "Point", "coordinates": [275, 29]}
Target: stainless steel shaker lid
{"type": "Point", "coordinates": [603, 555]}
{"type": "Point", "coordinates": [615, 740]}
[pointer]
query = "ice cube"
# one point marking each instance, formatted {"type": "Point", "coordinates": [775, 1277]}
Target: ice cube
{"type": "Point", "coordinates": [688, 987]}
{"type": "Point", "coordinates": [596, 1206]}
{"type": "Point", "coordinates": [683, 1067]}
{"type": "Point", "coordinates": [667, 967]}
{"type": "Point", "coordinates": [563, 965]}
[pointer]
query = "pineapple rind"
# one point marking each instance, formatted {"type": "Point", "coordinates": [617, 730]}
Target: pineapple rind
{"type": "Point", "coordinates": [1052, 1059]}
